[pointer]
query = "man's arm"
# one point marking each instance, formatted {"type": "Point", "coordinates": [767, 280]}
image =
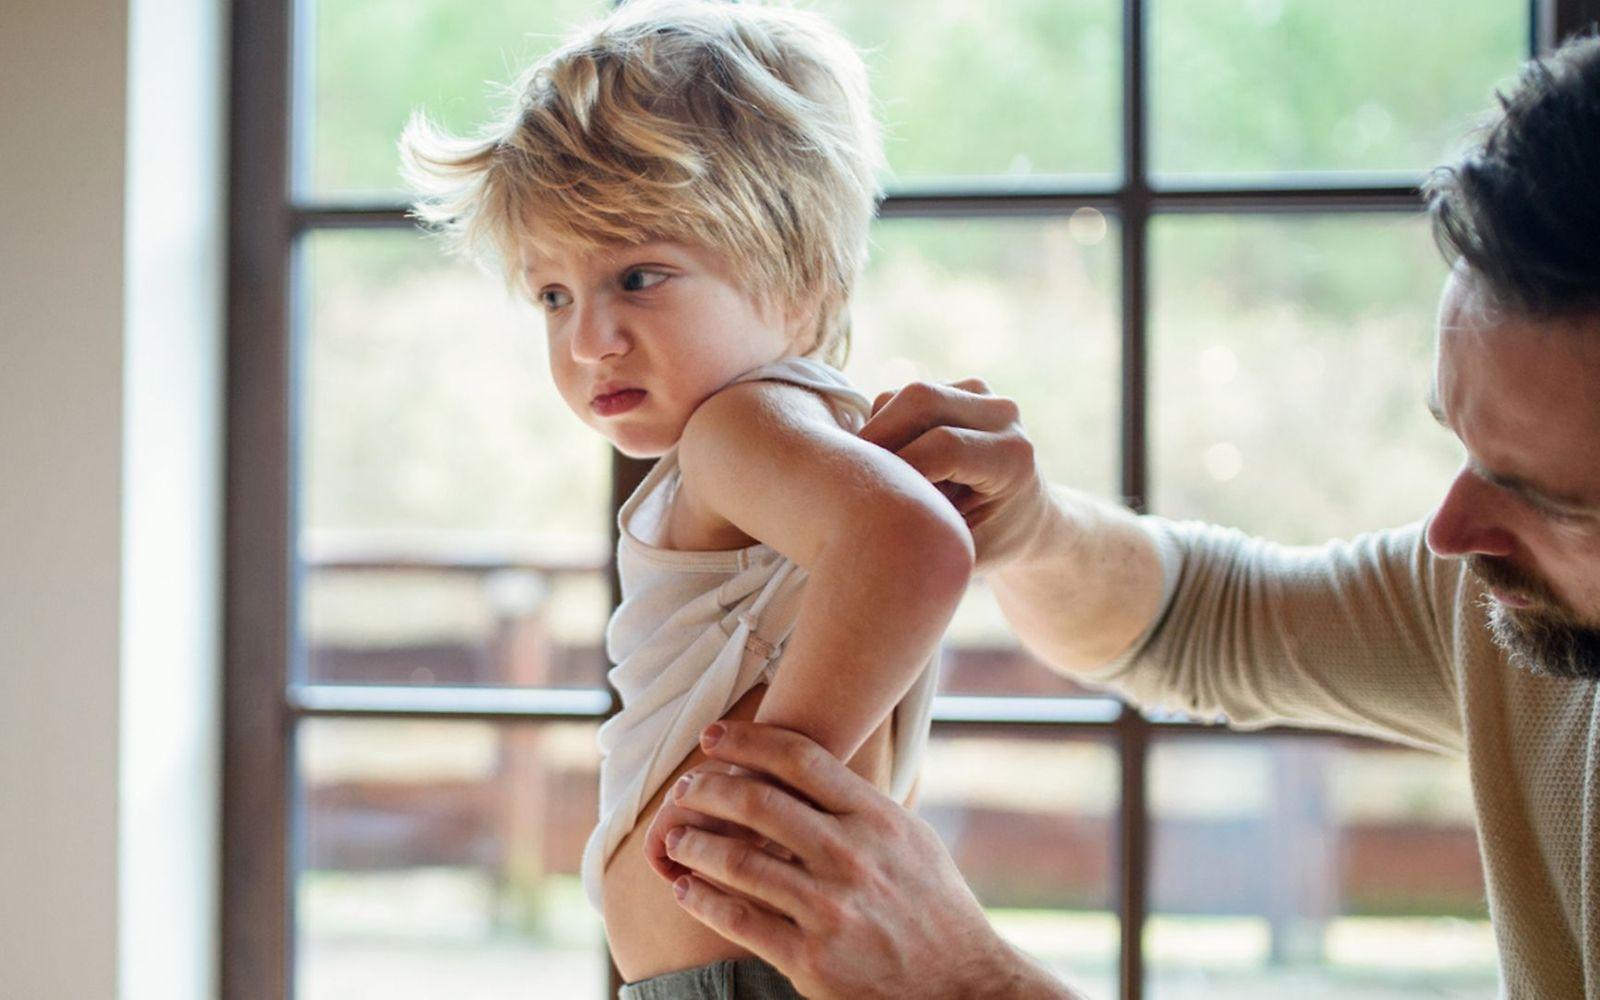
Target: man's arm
{"type": "Point", "coordinates": [1090, 586]}
{"type": "Point", "coordinates": [869, 905]}
{"type": "Point", "coordinates": [1349, 636]}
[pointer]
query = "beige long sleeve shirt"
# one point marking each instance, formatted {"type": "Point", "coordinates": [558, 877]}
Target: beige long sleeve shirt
{"type": "Point", "coordinates": [1378, 636]}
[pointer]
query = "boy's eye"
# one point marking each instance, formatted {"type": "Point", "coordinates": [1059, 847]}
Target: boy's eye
{"type": "Point", "coordinates": [553, 298]}
{"type": "Point", "coordinates": [639, 279]}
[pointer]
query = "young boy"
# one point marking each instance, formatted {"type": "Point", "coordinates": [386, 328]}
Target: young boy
{"type": "Point", "coordinates": [685, 188]}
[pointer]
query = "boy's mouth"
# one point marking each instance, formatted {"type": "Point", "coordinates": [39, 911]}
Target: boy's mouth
{"type": "Point", "coordinates": [609, 404]}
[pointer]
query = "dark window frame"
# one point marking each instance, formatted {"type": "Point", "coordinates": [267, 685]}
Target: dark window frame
{"type": "Point", "coordinates": [262, 704]}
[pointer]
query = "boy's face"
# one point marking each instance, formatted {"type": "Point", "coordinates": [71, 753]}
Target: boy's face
{"type": "Point", "coordinates": [640, 335]}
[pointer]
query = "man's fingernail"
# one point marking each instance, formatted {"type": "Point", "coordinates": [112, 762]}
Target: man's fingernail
{"type": "Point", "coordinates": [682, 787]}
{"type": "Point", "coordinates": [680, 888]}
{"type": "Point", "coordinates": [673, 836]}
{"type": "Point", "coordinates": [712, 735]}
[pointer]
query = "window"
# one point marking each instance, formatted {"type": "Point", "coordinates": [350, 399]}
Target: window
{"type": "Point", "coordinates": [1186, 227]}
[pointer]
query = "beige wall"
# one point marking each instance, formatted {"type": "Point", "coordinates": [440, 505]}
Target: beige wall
{"type": "Point", "coordinates": [109, 360]}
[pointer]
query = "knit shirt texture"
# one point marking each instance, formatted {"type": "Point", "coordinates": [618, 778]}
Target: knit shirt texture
{"type": "Point", "coordinates": [1379, 637]}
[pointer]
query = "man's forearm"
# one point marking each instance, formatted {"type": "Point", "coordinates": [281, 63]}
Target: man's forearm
{"type": "Point", "coordinates": [1089, 584]}
{"type": "Point", "coordinates": [1016, 975]}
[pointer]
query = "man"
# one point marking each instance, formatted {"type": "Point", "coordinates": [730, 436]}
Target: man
{"type": "Point", "coordinates": [1476, 633]}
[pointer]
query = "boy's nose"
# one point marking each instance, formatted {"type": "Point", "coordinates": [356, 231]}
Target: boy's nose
{"type": "Point", "coordinates": [597, 335]}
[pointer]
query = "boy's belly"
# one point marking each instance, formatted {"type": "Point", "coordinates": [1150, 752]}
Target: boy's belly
{"type": "Point", "coordinates": [649, 933]}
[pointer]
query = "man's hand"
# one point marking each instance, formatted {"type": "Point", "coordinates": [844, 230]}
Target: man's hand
{"type": "Point", "coordinates": [674, 814]}
{"type": "Point", "coordinates": [971, 445]}
{"type": "Point", "coordinates": [1077, 578]}
{"type": "Point", "coordinates": [868, 904]}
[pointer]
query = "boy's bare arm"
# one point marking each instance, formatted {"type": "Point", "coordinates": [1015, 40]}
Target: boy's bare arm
{"type": "Point", "coordinates": [888, 557]}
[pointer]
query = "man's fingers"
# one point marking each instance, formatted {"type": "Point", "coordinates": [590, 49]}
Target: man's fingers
{"type": "Point", "coordinates": [920, 406]}
{"type": "Point", "coordinates": [741, 921]}
{"type": "Point", "coordinates": [659, 858]}
{"type": "Point", "coordinates": [984, 462]}
{"type": "Point", "coordinates": [792, 759]}
{"type": "Point", "coordinates": [746, 870]}
{"type": "Point", "coordinates": [772, 814]}
{"type": "Point", "coordinates": [673, 814]}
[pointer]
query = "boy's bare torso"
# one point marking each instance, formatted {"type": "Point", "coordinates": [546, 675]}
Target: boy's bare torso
{"type": "Point", "coordinates": [649, 934]}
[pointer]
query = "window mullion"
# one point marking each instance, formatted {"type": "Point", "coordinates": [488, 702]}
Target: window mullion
{"type": "Point", "coordinates": [1133, 731]}
{"type": "Point", "coordinates": [257, 915]}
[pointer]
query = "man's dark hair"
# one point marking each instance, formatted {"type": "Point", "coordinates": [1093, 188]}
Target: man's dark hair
{"type": "Point", "coordinates": [1522, 206]}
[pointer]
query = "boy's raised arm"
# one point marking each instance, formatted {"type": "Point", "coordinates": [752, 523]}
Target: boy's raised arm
{"type": "Point", "coordinates": [888, 557]}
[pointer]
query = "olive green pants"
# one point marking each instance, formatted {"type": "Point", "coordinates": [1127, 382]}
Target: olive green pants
{"type": "Point", "coordinates": [733, 979]}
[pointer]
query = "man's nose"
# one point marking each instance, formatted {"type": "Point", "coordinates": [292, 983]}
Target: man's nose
{"type": "Point", "coordinates": [1469, 520]}
{"type": "Point", "coordinates": [597, 334]}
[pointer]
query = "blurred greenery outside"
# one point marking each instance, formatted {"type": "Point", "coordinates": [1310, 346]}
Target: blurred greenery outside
{"type": "Point", "coordinates": [1288, 357]}
{"type": "Point", "coordinates": [1262, 86]}
{"type": "Point", "coordinates": [1235, 85]}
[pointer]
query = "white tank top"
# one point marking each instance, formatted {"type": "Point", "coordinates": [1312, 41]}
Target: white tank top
{"type": "Point", "coordinates": [697, 630]}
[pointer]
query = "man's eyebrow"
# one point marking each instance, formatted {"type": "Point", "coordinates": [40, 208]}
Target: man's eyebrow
{"type": "Point", "coordinates": [1536, 495]}
{"type": "Point", "coordinates": [1540, 497]}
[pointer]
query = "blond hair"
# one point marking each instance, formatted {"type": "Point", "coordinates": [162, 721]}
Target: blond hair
{"type": "Point", "coordinates": [746, 129]}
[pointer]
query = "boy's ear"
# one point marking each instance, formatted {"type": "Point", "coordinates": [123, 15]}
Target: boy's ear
{"type": "Point", "coordinates": [804, 326]}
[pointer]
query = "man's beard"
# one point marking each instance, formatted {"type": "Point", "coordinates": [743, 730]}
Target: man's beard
{"type": "Point", "coordinates": [1545, 638]}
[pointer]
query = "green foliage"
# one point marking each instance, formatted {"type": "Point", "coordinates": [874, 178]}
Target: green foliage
{"type": "Point", "coordinates": [975, 87]}
{"type": "Point", "coordinates": [374, 63]}
{"type": "Point", "coordinates": [1273, 85]}
{"type": "Point", "coordinates": [1290, 357]}
{"type": "Point", "coordinates": [427, 407]}
{"type": "Point", "coordinates": [1017, 302]}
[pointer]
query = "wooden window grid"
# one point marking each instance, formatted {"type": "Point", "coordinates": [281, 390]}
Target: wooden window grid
{"type": "Point", "coordinates": [263, 698]}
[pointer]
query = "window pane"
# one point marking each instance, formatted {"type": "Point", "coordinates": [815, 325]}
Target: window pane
{"type": "Point", "coordinates": [371, 64]}
{"type": "Point", "coordinates": [454, 512]}
{"type": "Point", "coordinates": [1313, 868]}
{"type": "Point", "coordinates": [1290, 360]}
{"type": "Point", "coordinates": [1028, 305]}
{"type": "Point", "coordinates": [1038, 80]}
{"type": "Point", "coordinates": [941, 73]}
{"type": "Point", "coordinates": [1288, 85]}
{"type": "Point", "coordinates": [441, 859]}
{"type": "Point", "coordinates": [1030, 821]}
